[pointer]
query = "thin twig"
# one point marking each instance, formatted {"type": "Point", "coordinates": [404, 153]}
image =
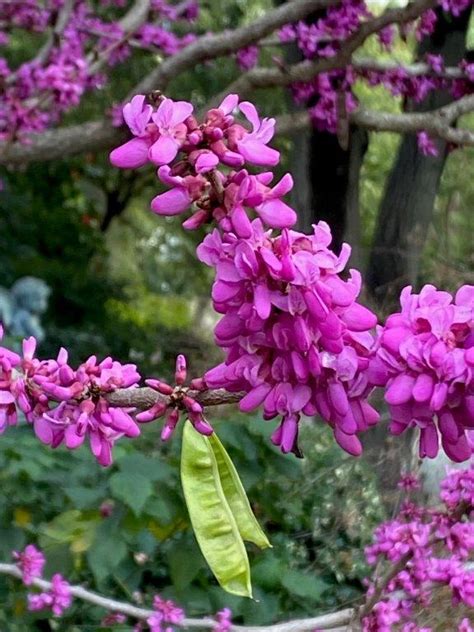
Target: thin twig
{"type": "Point", "coordinates": [323, 622]}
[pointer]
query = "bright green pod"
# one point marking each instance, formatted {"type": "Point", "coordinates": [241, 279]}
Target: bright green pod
{"type": "Point", "coordinates": [213, 522]}
{"type": "Point", "coordinates": [235, 494]}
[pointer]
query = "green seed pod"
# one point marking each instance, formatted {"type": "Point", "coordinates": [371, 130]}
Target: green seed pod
{"type": "Point", "coordinates": [235, 494]}
{"type": "Point", "coordinates": [213, 522]}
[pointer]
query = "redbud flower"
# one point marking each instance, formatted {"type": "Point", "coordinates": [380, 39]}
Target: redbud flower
{"type": "Point", "coordinates": [31, 562]}
{"type": "Point", "coordinates": [425, 360]}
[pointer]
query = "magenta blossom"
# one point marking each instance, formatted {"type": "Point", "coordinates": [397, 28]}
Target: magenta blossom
{"type": "Point", "coordinates": [296, 340]}
{"type": "Point", "coordinates": [58, 598]}
{"type": "Point", "coordinates": [31, 562]}
{"type": "Point", "coordinates": [169, 120]}
{"type": "Point", "coordinates": [166, 611]}
{"type": "Point", "coordinates": [425, 358]}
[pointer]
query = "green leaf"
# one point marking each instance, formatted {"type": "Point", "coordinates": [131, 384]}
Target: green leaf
{"type": "Point", "coordinates": [235, 494]}
{"type": "Point", "coordinates": [184, 564]}
{"type": "Point", "coordinates": [303, 585]}
{"type": "Point", "coordinates": [152, 469]}
{"type": "Point", "coordinates": [212, 519]}
{"type": "Point", "coordinates": [131, 488]}
{"type": "Point", "coordinates": [84, 497]}
{"type": "Point", "coordinates": [108, 550]}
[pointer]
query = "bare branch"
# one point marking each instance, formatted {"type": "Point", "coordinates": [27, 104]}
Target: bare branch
{"type": "Point", "coordinates": [213, 46]}
{"type": "Point", "coordinates": [145, 397]}
{"type": "Point", "coordinates": [135, 17]}
{"type": "Point", "coordinates": [324, 622]}
{"type": "Point", "coordinates": [414, 70]}
{"type": "Point", "coordinates": [438, 123]}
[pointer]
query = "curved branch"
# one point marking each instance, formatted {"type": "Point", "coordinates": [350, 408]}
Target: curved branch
{"type": "Point", "coordinates": [323, 622]}
{"type": "Point", "coordinates": [218, 45]}
{"type": "Point", "coordinates": [437, 123]}
{"type": "Point", "coordinates": [307, 70]}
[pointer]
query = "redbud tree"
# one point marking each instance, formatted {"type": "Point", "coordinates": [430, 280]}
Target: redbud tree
{"type": "Point", "coordinates": [295, 339]}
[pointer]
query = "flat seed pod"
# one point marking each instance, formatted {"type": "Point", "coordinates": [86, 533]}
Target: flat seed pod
{"type": "Point", "coordinates": [213, 522]}
{"type": "Point", "coordinates": [235, 494]}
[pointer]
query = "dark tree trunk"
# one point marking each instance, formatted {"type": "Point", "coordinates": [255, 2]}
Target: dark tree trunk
{"type": "Point", "coordinates": [407, 206]}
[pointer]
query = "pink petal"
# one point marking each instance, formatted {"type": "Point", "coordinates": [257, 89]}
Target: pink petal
{"type": "Point", "coordinates": [257, 153]}
{"type": "Point", "coordinates": [254, 398]}
{"type": "Point", "coordinates": [6, 398]}
{"type": "Point", "coordinates": [171, 202]}
{"type": "Point", "coordinates": [400, 390]}
{"type": "Point", "coordinates": [423, 389]}
{"type": "Point", "coordinates": [164, 150]}
{"type": "Point", "coordinates": [229, 104]}
{"type": "Point", "coordinates": [359, 318]}
{"type": "Point", "coordinates": [43, 430]}
{"type": "Point", "coordinates": [72, 438]}
{"type": "Point", "coordinates": [241, 222]}
{"type": "Point", "coordinates": [429, 443]}
{"type": "Point", "coordinates": [349, 443]}
{"type": "Point", "coordinates": [276, 214]}
{"type": "Point", "coordinates": [262, 300]}
{"type": "Point", "coordinates": [131, 155]}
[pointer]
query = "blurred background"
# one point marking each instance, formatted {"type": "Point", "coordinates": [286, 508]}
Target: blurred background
{"type": "Point", "coordinates": [126, 283]}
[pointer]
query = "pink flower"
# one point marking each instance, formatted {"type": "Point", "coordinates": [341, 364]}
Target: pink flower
{"type": "Point", "coordinates": [426, 144]}
{"type": "Point", "coordinates": [294, 337]}
{"type": "Point", "coordinates": [424, 360]}
{"type": "Point", "coordinates": [175, 400]}
{"type": "Point", "coordinates": [166, 612]}
{"type": "Point", "coordinates": [31, 562]}
{"type": "Point", "coordinates": [58, 598]}
{"type": "Point", "coordinates": [253, 145]}
{"type": "Point", "coordinates": [169, 120]}
{"type": "Point", "coordinates": [223, 620]}
{"type": "Point", "coordinates": [137, 115]}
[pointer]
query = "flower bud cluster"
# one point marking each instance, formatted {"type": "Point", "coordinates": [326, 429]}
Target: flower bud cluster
{"type": "Point", "coordinates": [177, 400]}
{"type": "Point", "coordinates": [66, 406]}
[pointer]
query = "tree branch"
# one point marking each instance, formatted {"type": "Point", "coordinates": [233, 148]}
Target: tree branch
{"type": "Point", "coordinates": [437, 123]}
{"type": "Point", "coordinates": [323, 622]}
{"type": "Point", "coordinates": [307, 70]}
{"type": "Point", "coordinates": [143, 398]}
{"type": "Point", "coordinates": [218, 45]}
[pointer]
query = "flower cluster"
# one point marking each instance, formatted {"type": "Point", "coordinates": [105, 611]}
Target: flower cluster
{"type": "Point", "coordinates": [223, 620]}
{"type": "Point", "coordinates": [295, 338]}
{"type": "Point", "coordinates": [38, 91]}
{"type": "Point", "coordinates": [425, 360]}
{"type": "Point", "coordinates": [177, 399]}
{"type": "Point", "coordinates": [166, 611]}
{"type": "Point", "coordinates": [430, 549]}
{"type": "Point", "coordinates": [170, 131]}
{"type": "Point", "coordinates": [36, 386]}
{"type": "Point", "coordinates": [58, 598]}
{"type": "Point", "coordinates": [31, 562]}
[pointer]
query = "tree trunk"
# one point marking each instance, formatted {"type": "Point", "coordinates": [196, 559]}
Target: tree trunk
{"type": "Point", "coordinates": [408, 202]}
